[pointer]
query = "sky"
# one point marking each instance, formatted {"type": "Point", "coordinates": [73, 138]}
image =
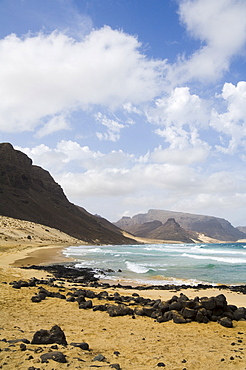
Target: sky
{"type": "Point", "coordinates": [130, 105]}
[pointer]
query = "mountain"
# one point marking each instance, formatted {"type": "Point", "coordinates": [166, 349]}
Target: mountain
{"type": "Point", "coordinates": [242, 229]}
{"type": "Point", "coordinates": [172, 231]}
{"type": "Point", "coordinates": [214, 227]}
{"type": "Point", "coordinates": [29, 193]}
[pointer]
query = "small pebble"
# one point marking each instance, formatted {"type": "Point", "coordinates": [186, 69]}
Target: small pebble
{"type": "Point", "coordinates": [22, 347]}
{"type": "Point", "coordinates": [161, 364]}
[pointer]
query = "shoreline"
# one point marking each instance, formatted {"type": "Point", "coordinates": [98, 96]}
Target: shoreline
{"type": "Point", "coordinates": [53, 255]}
{"type": "Point", "coordinates": [130, 342]}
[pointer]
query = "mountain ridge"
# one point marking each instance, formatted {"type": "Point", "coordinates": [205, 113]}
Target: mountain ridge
{"type": "Point", "coordinates": [214, 227]}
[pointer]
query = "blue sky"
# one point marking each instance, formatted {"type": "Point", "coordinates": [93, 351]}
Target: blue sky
{"type": "Point", "coordinates": [130, 105]}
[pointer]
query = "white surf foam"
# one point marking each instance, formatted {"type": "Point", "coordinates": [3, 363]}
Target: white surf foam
{"type": "Point", "coordinates": [135, 267]}
{"type": "Point", "coordinates": [219, 259]}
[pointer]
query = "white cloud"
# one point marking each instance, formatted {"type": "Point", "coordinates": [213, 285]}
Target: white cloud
{"type": "Point", "coordinates": [111, 183]}
{"type": "Point", "coordinates": [55, 124]}
{"type": "Point", "coordinates": [232, 123]}
{"type": "Point", "coordinates": [113, 128]}
{"type": "Point", "coordinates": [179, 108]}
{"type": "Point", "coordinates": [185, 156]}
{"type": "Point", "coordinates": [46, 75]}
{"type": "Point", "coordinates": [221, 28]}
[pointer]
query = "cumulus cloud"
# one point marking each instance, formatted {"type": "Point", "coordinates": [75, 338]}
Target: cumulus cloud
{"type": "Point", "coordinates": [45, 75]}
{"type": "Point", "coordinates": [220, 26]}
{"type": "Point", "coordinates": [180, 108]}
{"type": "Point", "coordinates": [232, 123]}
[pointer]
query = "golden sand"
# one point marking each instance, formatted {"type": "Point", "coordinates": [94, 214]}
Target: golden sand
{"type": "Point", "coordinates": [142, 343]}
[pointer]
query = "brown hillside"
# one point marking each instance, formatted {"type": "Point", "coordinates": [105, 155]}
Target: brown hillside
{"type": "Point", "coordinates": [28, 192]}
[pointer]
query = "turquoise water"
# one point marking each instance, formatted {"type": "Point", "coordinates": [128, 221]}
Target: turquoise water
{"type": "Point", "coordinates": [166, 263]}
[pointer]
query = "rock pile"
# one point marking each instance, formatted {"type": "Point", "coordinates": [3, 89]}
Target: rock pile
{"type": "Point", "coordinates": [180, 309]}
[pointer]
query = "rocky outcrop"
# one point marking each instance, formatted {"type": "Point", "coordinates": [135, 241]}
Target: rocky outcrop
{"type": "Point", "coordinates": [29, 193]}
{"type": "Point", "coordinates": [214, 227]}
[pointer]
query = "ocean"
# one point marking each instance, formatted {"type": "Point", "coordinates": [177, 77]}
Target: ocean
{"type": "Point", "coordinates": [159, 264]}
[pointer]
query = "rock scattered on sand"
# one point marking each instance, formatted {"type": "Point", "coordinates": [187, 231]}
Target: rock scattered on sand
{"type": "Point", "coordinates": [54, 335]}
{"type": "Point", "coordinates": [82, 345]}
{"type": "Point", "coordinates": [55, 356]}
{"type": "Point", "coordinates": [99, 358]}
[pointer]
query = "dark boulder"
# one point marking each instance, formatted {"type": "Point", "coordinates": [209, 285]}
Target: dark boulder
{"type": "Point", "coordinates": [100, 307]}
{"type": "Point", "coordinates": [189, 313]}
{"type": "Point", "coordinates": [82, 345]}
{"type": "Point", "coordinates": [178, 318]}
{"type": "Point", "coordinates": [55, 356]}
{"type": "Point", "coordinates": [86, 305]}
{"type": "Point", "coordinates": [208, 303]}
{"type": "Point", "coordinates": [115, 366]}
{"type": "Point", "coordinates": [199, 316]}
{"type": "Point", "coordinates": [226, 322]}
{"type": "Point", "coordinates": [38, 297]}
{"type": "Point", "coordinates": [220, 301]}
{"type": "Point", "coordinates": [148, 311]}
{"type": "Point", "coordinates": [54, 335]}
{"type": "Point", "coordinates": [119, 310]}
{"type": "Point", "coordinates": [239, 313]}
{"type": "Point", "coordinates": [90, 294]}
{"type": "Point", "coordinates": [175, 306]}
{"type": "Point", "coordinates": [99, 358]}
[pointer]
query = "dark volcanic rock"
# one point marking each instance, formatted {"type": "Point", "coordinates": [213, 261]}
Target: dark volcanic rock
{"type": "Point", "coordinates": [177, 317]}
{"type": "Point", "coordinates": [68, 271]}
{"type": "Point", "coordinates": [119, 310]}
{"type": "Point", "coordinates": [54, 335]}
{"type": "Point", "coordinates": [28, 192]}
{"type": "Point", "coordinates": [115, 366]}
{"type": "Point", "coordinates": [55, 356]}
{"type": "Point", "coordinates": [99, 358]}
{"type": "Point", "coordinates": [82, 345]}
{"type": "Point", "coordinates": [226, 322]}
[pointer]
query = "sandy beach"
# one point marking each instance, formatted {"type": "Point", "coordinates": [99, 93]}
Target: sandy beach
{"type": "Point", "coordinates": [140, 343]}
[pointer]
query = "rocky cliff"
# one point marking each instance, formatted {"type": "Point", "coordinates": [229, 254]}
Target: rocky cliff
{"type": "Point", "coordinates": [28, 192]}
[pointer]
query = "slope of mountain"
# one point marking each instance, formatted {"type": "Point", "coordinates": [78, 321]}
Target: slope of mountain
{"type": "Point", "coordinates": [171, 230]}
{"type": "Point", "coordinates": [28, 192]}
{"type": "Point", "coordinates": [242, 229]}
{"type": "Point", "coordinates": [214, 227]}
